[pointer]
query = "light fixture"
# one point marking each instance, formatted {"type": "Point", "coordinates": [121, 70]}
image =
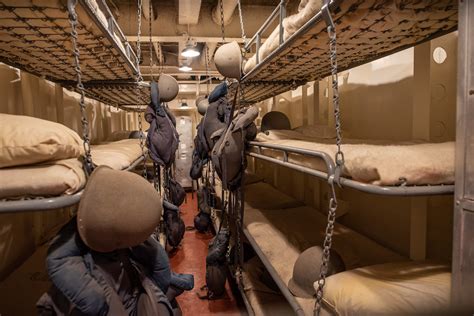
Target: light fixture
{"type": "Point", "coordinates": [184, 103]}
{"type": "Point", "coordinates": [185, 68]}
{"type": "Point", "coordinates": [190, 50]}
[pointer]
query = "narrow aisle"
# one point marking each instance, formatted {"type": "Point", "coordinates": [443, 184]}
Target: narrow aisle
{"type": "Point", "coordinates": [191, 258]}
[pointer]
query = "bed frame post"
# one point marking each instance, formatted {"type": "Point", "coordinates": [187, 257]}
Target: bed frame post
{"type": "Point", "coordinates": [463, 245]}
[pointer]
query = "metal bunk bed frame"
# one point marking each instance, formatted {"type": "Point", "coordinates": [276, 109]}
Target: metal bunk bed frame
{"type": "Point", "coordinates": [275, 84]}
{"type": "Point", "coordinates": [332, 173]}
{"type": "Point", "coordinates": [401, 190]}
{"type": "Point", "coordinates": [49, 203]}
{"type": "Point", "coordinates": [116, 62]}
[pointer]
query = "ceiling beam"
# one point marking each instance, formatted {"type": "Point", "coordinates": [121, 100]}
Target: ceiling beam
{"type": "Point", "coordinates": [199, 39]}
{"type": "Point", "coordinates": [189, 11]}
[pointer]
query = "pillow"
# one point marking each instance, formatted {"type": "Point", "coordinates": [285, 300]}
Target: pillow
{"type": "Point", "coordinates": [394, 288]}
{"type": "Point", "coordinates": [26, 140]}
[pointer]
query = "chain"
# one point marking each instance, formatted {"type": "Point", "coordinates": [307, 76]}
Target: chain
{"type": "Point", "coordinates": [333, 179]}
{"type": "Point", "coordinates": [80, 86]}
{"type": "Point", "coordinates": [221, 7]}
{"type": "Point", "coordinates": [335, 98]}
{"type": "Point", "coordinates": [150, 10]}
{"type": "Point", "coordinates": [138, 80]}
{"type": "Point", "coordinates": [327, 244]}
{"type": "Point", "coordinates": [207, 70]}
{"type": "Point", "coordinates": [244, 37]}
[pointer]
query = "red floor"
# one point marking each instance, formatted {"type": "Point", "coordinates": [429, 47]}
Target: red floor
{"type": "Point", "coordinates": [191, 258]}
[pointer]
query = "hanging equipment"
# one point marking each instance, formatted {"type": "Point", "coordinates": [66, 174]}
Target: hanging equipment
{"type": "Point", "coordinates": [339, 158]}
{"type": "Point", "coordinates": [88, 165]}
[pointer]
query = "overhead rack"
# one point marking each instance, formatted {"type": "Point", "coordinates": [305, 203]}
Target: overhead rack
{"type": "Point", "coordinates": [366, 30]}
{"type": "Point", "coordinates": [35, 37]}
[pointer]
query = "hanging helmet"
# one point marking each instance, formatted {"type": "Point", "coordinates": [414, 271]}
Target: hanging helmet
{"type": "Point", "coordinates": [202, 103]}
{"type": "Point", "coordinates": [306, 272]}
{"type": "Point", "coordinates": [228, 60]}
{"type": "Point", "coordinates": [119, 209]}
{"type": "Point", "coordinates": [168, 87]}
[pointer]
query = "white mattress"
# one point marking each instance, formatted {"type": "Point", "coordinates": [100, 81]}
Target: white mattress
{"type": "Point", "coordinates": [64, 176]}
{"type": "Point", "coordinates": [374, 162]}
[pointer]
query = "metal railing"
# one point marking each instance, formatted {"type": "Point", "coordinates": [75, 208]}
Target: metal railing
{"type": "Point", "coordinates": [110, 31]}
{"type": "Point", "coordinates": [280, 12]}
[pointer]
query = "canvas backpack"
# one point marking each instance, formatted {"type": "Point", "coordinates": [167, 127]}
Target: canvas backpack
{"type": "Point", "coordinates": [228, 156]}
{"type": "Point", "coordinates": [162, 139]}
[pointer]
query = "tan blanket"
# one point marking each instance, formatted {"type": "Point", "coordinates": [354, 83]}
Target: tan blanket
{"type": "Point", "coordinates": [306, 10]}
{"type": "Point", "coordinates": [49, 179]}
{"type": "Point", "coordinates": [117, 155]}
{"type": "Point", "coordinates": [403, 288]}
{"type": "Point", "coordinates": [284, 234]}
{"type": "Point", "coordinates": [64, 176]}
{"type": "Point", "coordinates": [376, 163]}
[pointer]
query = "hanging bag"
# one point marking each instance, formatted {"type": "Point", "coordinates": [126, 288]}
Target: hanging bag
{"type": "Point", "coordinates": [228, 156]}
{"type": "Point", "coordinates": [162, 139]}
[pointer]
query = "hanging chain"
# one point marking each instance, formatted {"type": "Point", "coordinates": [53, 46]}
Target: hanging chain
{"type": "Point", "coordinates": [335, 98]}
{"type": "Point", "coordinates": [150, 10]}
{"type": "Point", "coordinates": [244, 37]}
{"type": "Point", "coordinates": [327, 244]}
{"type": "Point", "coordinates": [138, 81]}
{"type": "Point", "coordinates": [207, 70]}
{"type": "Point", "coordinates": [221, 7]}
{"type": "Point", "coordinates": [339, 158]}
{"type": "Point", "coordinates": [80, 86]}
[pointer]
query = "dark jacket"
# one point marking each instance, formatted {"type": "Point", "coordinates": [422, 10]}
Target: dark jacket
{"type": "Point", "coordinates": [84, 281]}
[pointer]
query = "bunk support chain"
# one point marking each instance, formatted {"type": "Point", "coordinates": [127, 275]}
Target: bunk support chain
{"type": "Point", "coordinates": [339, 158]}
{"type": "Point", "coordinates": [138, 81]}
{"type": "Point", "coordinates": [88, 164]}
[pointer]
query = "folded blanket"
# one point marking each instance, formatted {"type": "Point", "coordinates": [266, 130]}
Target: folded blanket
{"type": "Point", "coordinates": [377, 163]}
{"type": "Point", "coordinates": [117, 155]}
{"type": "Point", "coordinates": [64, 176]}
{"type": "Point", "coordinates": [48, 179]}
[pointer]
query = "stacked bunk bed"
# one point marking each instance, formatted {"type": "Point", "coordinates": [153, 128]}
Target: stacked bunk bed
{"type": "Point", "coordinates": [377, 280]}
{"type": "Point", "coordinates": [36, 37]}
{"type": "Point", "coordinates": [41, 165]}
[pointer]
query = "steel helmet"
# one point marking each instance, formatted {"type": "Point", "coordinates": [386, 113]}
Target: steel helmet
{"type": "Point", "coordinates": [118, 209]}
{"type": "Point", "coordinates": [228, 60]}
{"type": "Point", "coordinates": [168, 87]}
{"type": "Point", "coordinates": [202, 103]}
{"type": "Point", "coordinates": [306, 271]}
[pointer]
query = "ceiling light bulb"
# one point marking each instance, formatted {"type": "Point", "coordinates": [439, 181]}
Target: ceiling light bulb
{"type": "Point", "coordinates": [185, 68]}
{"type": "Point", "coordinates": [190, 51]}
